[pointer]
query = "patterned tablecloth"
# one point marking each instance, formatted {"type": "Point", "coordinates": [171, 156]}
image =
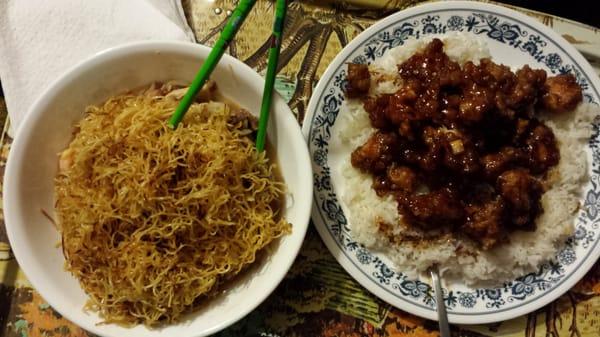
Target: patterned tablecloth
{"type": "Point", "coordinates": [317, 298]}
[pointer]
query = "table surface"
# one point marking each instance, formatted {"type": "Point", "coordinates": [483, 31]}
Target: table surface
{"type": "Point", "coordinates": [317, 298]}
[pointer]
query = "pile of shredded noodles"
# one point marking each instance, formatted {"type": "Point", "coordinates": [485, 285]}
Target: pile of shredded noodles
{"type": "Point", "coordinates": [153, 220]}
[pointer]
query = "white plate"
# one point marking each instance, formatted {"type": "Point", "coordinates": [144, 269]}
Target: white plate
{"type": "Point", "coordinates": [513, 39]}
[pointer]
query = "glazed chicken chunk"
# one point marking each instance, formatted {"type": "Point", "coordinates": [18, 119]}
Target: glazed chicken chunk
{"type": "Point", "coordinates": [561, 93]}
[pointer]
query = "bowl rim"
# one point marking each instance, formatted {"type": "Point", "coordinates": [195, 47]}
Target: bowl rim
{"type": "Point", "coordinates": [10, 187]}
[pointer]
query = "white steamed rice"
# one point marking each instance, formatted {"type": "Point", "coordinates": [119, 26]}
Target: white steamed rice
{"type": "Point", "coordinates": [524, 252]}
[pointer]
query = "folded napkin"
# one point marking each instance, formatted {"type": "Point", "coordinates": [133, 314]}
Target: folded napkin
{"type": "Point", "coordinates": [41, 39]}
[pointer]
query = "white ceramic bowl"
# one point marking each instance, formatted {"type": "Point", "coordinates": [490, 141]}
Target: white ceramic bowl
{"type": "Point", "coordinates": [46, 130]}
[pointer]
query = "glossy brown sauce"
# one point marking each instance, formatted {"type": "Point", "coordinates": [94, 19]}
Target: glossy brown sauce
{"type": "Point", "coordinates": [462, 149]}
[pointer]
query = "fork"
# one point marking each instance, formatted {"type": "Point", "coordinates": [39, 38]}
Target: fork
{"type": "Point", "coordinates": [439, 303]}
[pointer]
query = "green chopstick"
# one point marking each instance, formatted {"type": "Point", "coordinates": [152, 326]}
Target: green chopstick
{"type": "Point", "coordinates": [265, 107]}
{"type": "Point", "coordinates": [235, 21]}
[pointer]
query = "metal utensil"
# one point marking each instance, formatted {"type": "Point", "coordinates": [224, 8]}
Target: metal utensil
{"type": "Point", "coordinates": [439, 302]}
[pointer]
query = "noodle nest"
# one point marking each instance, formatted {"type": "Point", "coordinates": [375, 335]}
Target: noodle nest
{"type": "Point", "coordinates": [154, 220]}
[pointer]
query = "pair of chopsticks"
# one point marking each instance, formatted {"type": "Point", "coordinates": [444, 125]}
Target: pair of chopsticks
{"type": "Point", "coordinates": [233, 24]}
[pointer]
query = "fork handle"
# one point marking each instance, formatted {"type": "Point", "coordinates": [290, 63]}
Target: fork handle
{"type": "Point", "coordinates": [441, 307]}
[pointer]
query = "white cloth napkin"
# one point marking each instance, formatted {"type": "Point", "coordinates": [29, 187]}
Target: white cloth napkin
{"type": "Point", "coordinates": [41, 39]}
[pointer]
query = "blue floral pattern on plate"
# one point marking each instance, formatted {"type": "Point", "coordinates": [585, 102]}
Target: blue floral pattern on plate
{"type": "Point", "coordinates": [541, 51]}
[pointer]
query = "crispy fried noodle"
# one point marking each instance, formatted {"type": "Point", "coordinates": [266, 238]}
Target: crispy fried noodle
{"type": "Point", "coordinates": [154, 220]}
